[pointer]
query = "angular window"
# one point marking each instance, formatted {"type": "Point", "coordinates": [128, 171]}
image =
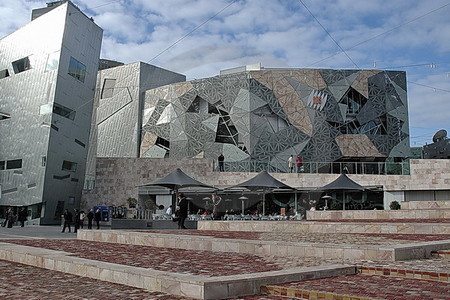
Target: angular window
{"type": "Point", "coordinates": [4, 116]}
{"type": "Point", "coordinates": [69, 166]}
{"type": "Point", "coordinates": [77, 69]}
{"type": "Point", "coordinates": [52, 61]}
{"type": "Point", "coordinates": [63, 111]}
{"type": "Point", "coordinates": [21, 65]}
{"type": "Point", "coordinates": [14, 164]}
{"type": "Point", "coordinates": [4, 73]}
{"type": "Point", "coordinates": [108, 88]}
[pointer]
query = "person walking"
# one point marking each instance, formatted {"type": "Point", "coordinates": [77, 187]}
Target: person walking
{"type": "Point", "coordinates": [182, 209]}
{"type": "Point", "coordinates": [221, 160]}
{"type": "Point", "coordinates": [90, 217]}
{"type": "Point", "coordinates": [10, 218]}
{"type": "Point", "coordinates": [98, 217]}
{"type": "Point", "coordinates": [68, 218]}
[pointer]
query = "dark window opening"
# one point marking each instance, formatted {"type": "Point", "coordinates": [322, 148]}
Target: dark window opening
{"type": "Point", "coordinates": [21, 65]}
{"type": "Point", "coordinates": [4, 116]}
{"type": "Point", "coordinates": [108, 88]}
{"type": "Point", "coordinates": [54, 127]}
{"type": "Point", "coordinates": [76, 69]}
{"type": "Point", "coordinates": [61, 177]}
{"type": "Point", "coordinates": [2, 165]}
{"type": "Point", "coordinates": [74, 179]}
{"type": "Point", "coordinates": [226, 131]}
{"type": "Point", "coordinates": [69, 166]}
{"type": "Point", "coordinates": [163, 143]}
{"type": "Point", "coordinates": [80, 143]}
{"type": "Point", "coordinates": [354, 100]}
{"type": "Point", "coordinates": [14, 164]}
{"type": "Point", "coordinates": [4, 73]}
{"type": "Point", "coordinates": [195, 105]}
{"type": "Point", "coordinates": [64, 111]}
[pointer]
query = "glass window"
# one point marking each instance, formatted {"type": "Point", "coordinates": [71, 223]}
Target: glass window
{"type": "Point", "coordinates": [21, 65]}
{"type": "Point", "coordinates": [77, 69]}
{"type": "Point", "coordinates": [63, 111]}
{"type": "Point", "coordinates": [14, 164]}
{"type": "Point", "coordinates": [2, 165]}
{"type": "Point", "coordinates": [52, 61]}
{"type": "Point", "coordinates": [69, 166]}
{"type": "Point", "coordinates": [108, 88]}
{"type": "Point", "coordinates": [4, 73]}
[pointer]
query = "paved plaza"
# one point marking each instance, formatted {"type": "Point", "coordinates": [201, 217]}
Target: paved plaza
{"type": "Point", "coordinates": [382, 279]}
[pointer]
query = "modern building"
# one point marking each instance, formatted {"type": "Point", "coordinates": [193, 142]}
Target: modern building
{"type": "Point", "coordinates": [440, 148]}
{"type": "Point", "coordinates": [48, 71]}
{"type": "Point", "coordinates": [118, 107]}
{"type": "Point", "coordinates": [260, 117]}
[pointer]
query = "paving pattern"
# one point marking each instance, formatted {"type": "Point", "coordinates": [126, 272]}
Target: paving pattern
{"type": "Point", "coordinates": [333, 238]}
{"type": "Point", "coordinates": [206, 263]}
{"type": "Point", "coordinates": [443, 220]}
{"type": "Point", "coordinates": [365, 286]}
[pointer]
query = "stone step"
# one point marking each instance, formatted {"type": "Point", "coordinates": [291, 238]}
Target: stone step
{"type": "Point", "coordinates": [358, 247]}
{"type": "Point", "coordinates": [361, 286]}
{"type": "Point", "coordinates": [332, 226]}
{"type": "Point", "coordinates": [405, 273]}
{"type": "Point", "coordinates": [172, 281]}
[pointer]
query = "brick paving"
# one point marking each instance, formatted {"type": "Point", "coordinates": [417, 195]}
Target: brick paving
{"type": "Point", "coordinates": [365, 286]}
{"type": "Point", "coordinates": [195, 262]}
{"type": "Point", "coordinates": [333, 238]}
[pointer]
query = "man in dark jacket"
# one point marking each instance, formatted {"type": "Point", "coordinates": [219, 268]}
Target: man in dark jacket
{"type": "Point", "coordinates": [182, 210]}
{"type": "Point", "coordinates": [90, 217]}
{"type": "Point", "coordinates": [68, 218]}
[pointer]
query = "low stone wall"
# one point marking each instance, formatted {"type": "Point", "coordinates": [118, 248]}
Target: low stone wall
{"type": "Point", "coordinates": [378, 214]}
{"type": "Point", "coordinates": [425, 204]}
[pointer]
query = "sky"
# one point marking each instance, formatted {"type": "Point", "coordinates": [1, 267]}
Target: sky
{"type": "Point", "coordinates": [198, 38]}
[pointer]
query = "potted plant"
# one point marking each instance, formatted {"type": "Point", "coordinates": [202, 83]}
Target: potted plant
{"type": "Point", "coordinates": [394, 205]}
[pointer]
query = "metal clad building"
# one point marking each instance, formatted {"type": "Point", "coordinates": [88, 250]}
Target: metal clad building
{"type": "Point", "coordinates": [48, 70]}
{"type": "Point", "coordinates": [263, 116]}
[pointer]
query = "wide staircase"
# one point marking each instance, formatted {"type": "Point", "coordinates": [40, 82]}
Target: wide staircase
{"type": "Point", "coordinates": [401, 254]}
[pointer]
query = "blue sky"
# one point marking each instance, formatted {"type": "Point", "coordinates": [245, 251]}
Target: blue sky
{"type": "Point", "coordinates": [199, 38]}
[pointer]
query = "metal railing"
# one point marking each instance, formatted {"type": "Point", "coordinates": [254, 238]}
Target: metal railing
{"type": "Point", "coordinates": [371, 168]}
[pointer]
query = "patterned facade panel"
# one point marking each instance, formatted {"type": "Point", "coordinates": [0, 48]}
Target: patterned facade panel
{"type": "Point", "coordinates": [264, 115]}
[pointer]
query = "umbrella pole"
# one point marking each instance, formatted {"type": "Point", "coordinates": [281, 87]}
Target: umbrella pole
{"type": "Point", "coordinates": [242, 206]}
{"type": "Point", "coordinates": [343, 200]}
{"type": "Point", "coordinates": [264, 202]}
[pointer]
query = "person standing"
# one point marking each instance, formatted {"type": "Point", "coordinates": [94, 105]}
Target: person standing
{"type": "Point", "coordinates": [299, 162]}
{"type": "Point", "coordinates": [10, 218]}
{"type": "Point", "coordinates": [291, 163]}
{"type": "Point", "coordinates": [221, 160]}
{"type": "Point", "coordinates": [216, 201]}
{"type": "Point", "coordinates": [90, 217]}
{"type": "Point", "coordinates": [68, 217]}
{"type": "Point", "coordinates": [77, 220]}
{"type": "Point", "coordinates": [82, 217]}
{"type": "Point", "coordinates": [23, 214]}
{"type": "Point", "coordinates": [98, 217]}
{"type": "Point", "coordinates": [182, 209]}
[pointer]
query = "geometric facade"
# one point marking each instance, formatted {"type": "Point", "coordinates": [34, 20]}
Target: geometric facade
{"type": "Point", "coordinates": [264, 116]}
{"type": "Point", "coordinates": [47, 80]}
{"type": "Point", "coordinates": [117, 116]}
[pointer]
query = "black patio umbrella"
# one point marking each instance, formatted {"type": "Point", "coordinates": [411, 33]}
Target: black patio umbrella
{"type": "Point", "coordinates": [342, 183]}
{"type": "Point", "coordinates": [263, 181]}
{"type": "Point", "coordinates": [176, 180]}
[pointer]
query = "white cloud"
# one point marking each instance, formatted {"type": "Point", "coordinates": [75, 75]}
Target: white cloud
{"type": "Point", "coordinates": [182, 36]}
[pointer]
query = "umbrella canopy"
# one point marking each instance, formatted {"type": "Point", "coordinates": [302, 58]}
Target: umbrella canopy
{"type": "Point", "coordinates": [263, 181]}
{"type": "Point", "coordinates": [342, 183]}
{"type": "Point", "coordinates": [178, 179]}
